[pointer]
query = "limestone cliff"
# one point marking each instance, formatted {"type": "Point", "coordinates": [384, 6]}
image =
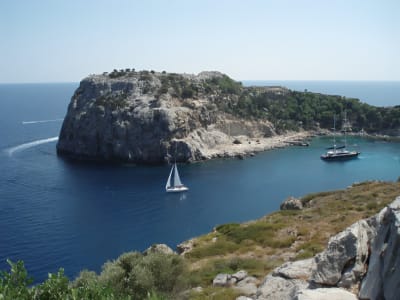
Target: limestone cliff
{"type": "Point", "coordinates": [149, 116]}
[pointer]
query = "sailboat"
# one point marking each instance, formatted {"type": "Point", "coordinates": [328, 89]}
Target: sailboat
{"type": "Point", "coordinates": [174, 184]}
{"type": "Point", "coordinates": [335, 152]}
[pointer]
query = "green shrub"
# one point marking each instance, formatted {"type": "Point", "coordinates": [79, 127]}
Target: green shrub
{"type": "Point", "coordinates": [15, 284]}
{"type": "Point", "coordinates": [54, 288]}
{"type": "Point", "coordinates": [220, 247]}
{"type": "Point", "coordinates": [138, 275]}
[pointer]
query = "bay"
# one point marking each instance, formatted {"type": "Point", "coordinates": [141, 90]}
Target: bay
{"type": "Point", "coordinates": [55, 213]}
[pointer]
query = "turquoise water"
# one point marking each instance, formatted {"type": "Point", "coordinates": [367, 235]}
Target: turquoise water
{"type": "Point", "coordinates": [54, 213]}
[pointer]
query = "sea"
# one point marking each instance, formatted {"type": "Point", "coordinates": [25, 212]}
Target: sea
{"type": "Point", "coordinates": [55, 213]}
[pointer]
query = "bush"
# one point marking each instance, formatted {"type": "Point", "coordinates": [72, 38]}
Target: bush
{"type": "Point", "coordinates": [138, 276]}
{"type": "Point", "coordinates": [14, 285]}
{"type": "Point", "coordinates": [54, 288]}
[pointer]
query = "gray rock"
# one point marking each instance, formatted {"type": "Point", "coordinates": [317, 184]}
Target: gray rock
{"type": "Point", "coordinates": [383, 277]}
{"type": "Point", "coordinates": [291, 203]}
{"type": "Point", "coordinates": [243, 298]}
{"type": "Point", "coordinates": [278, 288]}
{"type": "Point", "coordinates": [301, 269]}
{"type": "Point", "coordinates": [325, 294]}
{"type": "Point", "coordinates": [247, 286]}
{"type": "Point", "coordinates": [221, 280]}
{"type": "Point", "coordinates": [346, 251]}
{"type": "Point", "coordinates": [185, 247]}
{"type": "Point", "coordinates": [159, 248]}
{"type": "Point", "coordinates": [240, 275]}
{"type": "Point", "coordinates": [232, 281]}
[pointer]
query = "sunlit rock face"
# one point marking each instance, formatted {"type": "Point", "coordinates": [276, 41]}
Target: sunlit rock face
{"type": "Point", "coordinates": [149, 117]}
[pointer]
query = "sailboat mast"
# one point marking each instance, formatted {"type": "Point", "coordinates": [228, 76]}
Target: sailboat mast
{"type": "Point", "coordinates": [345, 128]}
{"type": "Point", "coordinates": [334, 132]}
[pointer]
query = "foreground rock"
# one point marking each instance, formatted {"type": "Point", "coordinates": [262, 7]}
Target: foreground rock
{"type": "Point", "coordinates": [325, 294]}
{"type": "Point", "coordinates": [383, 277]}
{"type": "Point", "coordinates": [246, 285]}
{"type": "Point", "coordinates": [148, 117]}
{"type": "Point", "coordinates": [366, 254]}
{"type": "Point", "coordinates": [291, 203]}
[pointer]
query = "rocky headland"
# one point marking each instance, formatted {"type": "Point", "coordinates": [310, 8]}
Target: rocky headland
{"type": "Point", "coordinates": [149, 117]}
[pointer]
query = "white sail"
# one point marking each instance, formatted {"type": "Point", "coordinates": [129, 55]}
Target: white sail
{"type": "Point", "coordinates": [168, 185]}
{"type": "Point", "coordinates": [174, 184]}
{"type": "Point", "coordinates": [177, 180]}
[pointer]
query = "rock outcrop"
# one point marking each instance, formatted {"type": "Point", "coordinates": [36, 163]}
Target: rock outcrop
{"type": "Point", "coordinates": [382, 280]}
{"type": "Point", "coordinates": [241, 281]}
{"type": "Point", "coordinates": [158, 248]}
{"type": "Point", "coordinates": [361, 262]}
{"type": "Point", "coordinates": [291, 203]}
{"type": "Point", "coordinates": [148, 117]}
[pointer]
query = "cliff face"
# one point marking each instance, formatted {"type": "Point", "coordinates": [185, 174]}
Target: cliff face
{"type": "Point", "coordinates": [147, 117]}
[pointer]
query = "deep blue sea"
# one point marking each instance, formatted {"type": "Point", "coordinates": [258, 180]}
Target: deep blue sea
{"type": "Point", "coordinates": [54, 213]}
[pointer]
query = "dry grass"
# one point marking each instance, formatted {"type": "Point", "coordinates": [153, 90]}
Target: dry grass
{"type": "Point", "coordinates": [261, 245]}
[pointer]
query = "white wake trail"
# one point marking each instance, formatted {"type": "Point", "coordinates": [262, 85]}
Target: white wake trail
{"type": "Point", "coordinates": [41, 121]}
{"type": "Point", "coordinates": [25, 146]}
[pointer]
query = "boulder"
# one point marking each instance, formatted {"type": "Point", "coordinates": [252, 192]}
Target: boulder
{"type": "Point", "coordinates": [221, 280]}
{"type": "Point", "coordinates": [240, 275]}
{"type": "Point", "coordinates": [291, 203]}
{"type": "Point", "coordinates": [159, 248]}
{"type": "Point", "coordinates": [346, 252]}
{"type": "Point", "coordinates": [185, 247]}
{"type": "Point", "coordinates": [325, 294]}
{"type": "Point", "coordinates": [247, 286]}
{"type": "Point", "coordinates": [301, 269]}
{"type": "Point", "coordinates": [278, 288]}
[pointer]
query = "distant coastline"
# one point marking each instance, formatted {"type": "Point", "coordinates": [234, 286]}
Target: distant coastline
{"type": "Point", "coordinates": [377, 93]}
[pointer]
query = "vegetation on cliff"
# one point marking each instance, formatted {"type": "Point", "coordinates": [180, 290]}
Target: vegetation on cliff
{"type": "Point", "coordinates": [286, 109]}
{"type": "Point", "coordinates": [291, 110]}
{"type": "Point", "coordinates": [257, 246]}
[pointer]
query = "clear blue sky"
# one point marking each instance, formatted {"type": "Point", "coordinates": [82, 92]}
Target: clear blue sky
{"type": "Point", "coordinates": [65, 40]}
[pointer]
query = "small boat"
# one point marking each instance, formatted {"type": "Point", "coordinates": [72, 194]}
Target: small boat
{"type": "Point", "coordinates": [339, 153]}
{"type": "Point", "coordinates": [174, 184]}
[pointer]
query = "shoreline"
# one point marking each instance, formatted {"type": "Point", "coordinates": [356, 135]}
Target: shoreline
{"type": "Point", "coordinates": [242, 146]}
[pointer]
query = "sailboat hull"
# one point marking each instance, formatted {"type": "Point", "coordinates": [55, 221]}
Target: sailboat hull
{"type": "Point", "coordinates": [177, 189]}
{"type": "Point", "coordinates": [340, 156]}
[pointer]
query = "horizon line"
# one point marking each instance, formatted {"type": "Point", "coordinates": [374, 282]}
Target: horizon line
{"type": "Point", "coordinates": [239, 80]}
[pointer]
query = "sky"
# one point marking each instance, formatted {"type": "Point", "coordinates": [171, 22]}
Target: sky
{"type": "Point", "coordinates": [66, 40]}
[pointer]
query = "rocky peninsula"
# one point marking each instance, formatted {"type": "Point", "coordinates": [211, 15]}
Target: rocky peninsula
{"type": "Point", "coordinates": [149, 117]}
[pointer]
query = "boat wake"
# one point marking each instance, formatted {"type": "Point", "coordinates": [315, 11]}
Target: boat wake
{"type": "Point", "coordinates": [41, 121]}
{"type": "Point", "coordinates": [25, 146]}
